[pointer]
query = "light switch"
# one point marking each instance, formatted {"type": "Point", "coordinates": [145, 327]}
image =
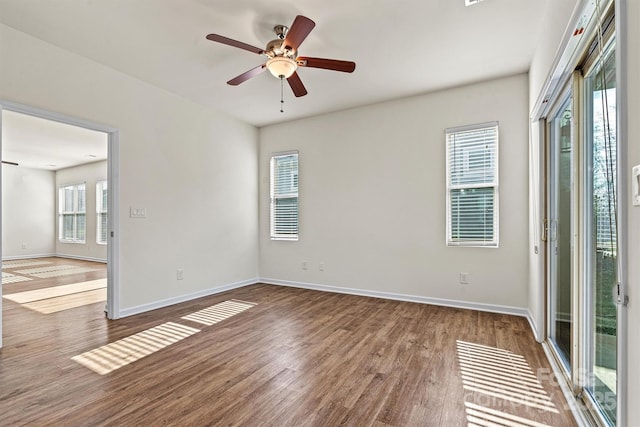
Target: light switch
{"type": "Point", "coordinates": [635, 185]}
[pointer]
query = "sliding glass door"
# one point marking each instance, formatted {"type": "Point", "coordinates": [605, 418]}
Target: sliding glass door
{"type": "Point", "coordinates": [561, 228]}
{"type": "Point", "coordinates": [582, 229]}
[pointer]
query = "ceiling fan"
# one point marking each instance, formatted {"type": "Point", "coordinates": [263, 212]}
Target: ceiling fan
{"type": "Point", "coordinates": [283, 55]}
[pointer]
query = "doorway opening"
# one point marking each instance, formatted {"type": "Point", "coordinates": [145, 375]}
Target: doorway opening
{"type": "Point", "coordinates": [58, 187]}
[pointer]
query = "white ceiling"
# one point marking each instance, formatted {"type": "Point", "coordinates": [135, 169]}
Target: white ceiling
{"type": "Point", "coordinates": [38, 143]}
{"type": "Point", "coordinates": [401, 47]}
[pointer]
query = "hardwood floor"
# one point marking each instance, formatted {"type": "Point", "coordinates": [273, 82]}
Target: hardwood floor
{"type": "Point", "coordinates": [297, 357]}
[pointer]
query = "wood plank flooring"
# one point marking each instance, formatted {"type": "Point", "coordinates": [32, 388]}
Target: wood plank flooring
{"type": "Point", "coordinates": [296, 358]}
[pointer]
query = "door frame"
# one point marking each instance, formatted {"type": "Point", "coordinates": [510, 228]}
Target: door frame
{"type": "Point", "coordinates": [113, 179]}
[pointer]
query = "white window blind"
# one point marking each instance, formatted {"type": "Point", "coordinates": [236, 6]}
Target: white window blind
{"type": "Point", "coordinates": [284, 196]}
{"type": "Point", "coordinates": [101, 212]}
{"type": "Point", "coordinates": [72, 203]}
{"type": "Point", "coordinates": [472, 185]}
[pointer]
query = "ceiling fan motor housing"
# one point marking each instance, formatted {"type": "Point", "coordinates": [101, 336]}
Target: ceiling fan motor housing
{"type": "Point", "coordinates": [275, 48]}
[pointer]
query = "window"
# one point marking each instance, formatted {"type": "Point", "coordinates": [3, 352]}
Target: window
{"type": "Point", "coordinates": [71, 213]}
{"type": "Point", "coordinates": [101, 212]}
{"type": "Point", "coordinates": [472, 185]}
{"type": "Point", "coordinates": [284, 196]}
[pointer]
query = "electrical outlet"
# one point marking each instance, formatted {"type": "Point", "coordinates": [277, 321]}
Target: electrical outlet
{"type": "Point", "coordinates": [137, 212]}
{"type": "Point", "coordinates": [464, 278]}
{"type": "Point", "coordinates": [321, 266]}
{"type": "Point", "coordinates": [304, 265]}
{"type": "Point", "coordinates": [24, 246]}
{"type": "Point", "coordinates": [179, 274]}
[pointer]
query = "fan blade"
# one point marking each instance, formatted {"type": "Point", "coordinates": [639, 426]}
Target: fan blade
{"type": "Point", "coordinates": [247, 75]}
{"type": "Point", "coordinates": [299, 31]}
{"type": "Point", "coordinates": [234, 43]}
{"type": "Point", "coordinates": [296, 85]}
{"type": "Point", "coordinates": [327, 64]}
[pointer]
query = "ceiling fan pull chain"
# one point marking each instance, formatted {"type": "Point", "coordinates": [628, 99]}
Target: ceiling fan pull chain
{"type": "Point", "coordinates": [282, 94]}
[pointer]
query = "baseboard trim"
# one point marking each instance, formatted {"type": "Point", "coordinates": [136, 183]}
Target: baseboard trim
{"type": "Point", "coordinates": [16, 257]}
{"type": "Point", "coordinates": [184, 298]}
{"type": "Point", "coordinates": [82, 258]}
{"type": "Point", "coordinates": [536, 334]}
{"type": "Point", "coordinates": [492, 308]}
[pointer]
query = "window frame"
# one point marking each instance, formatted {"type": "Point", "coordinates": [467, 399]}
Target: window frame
{"type": "Point", "coordinates": [273, 196]}
{"type": "Point", "coordinates": [75, 212]}
{"type": "Point", "coordinates": [451, 188]}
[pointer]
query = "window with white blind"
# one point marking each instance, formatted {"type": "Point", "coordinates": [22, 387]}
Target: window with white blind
{"type": "Point", "coordinates": [472, 185]}
{"type": "Point", "coordinates": [72, 203]}
{"type": "Point", "coordinates": [284, 196]}
{"type": "Point", "coordinates": [101, 212]}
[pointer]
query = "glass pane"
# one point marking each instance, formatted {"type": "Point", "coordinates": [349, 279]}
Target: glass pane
{"type": "Point", "coordinates": [560, 248]}
{"type": "Point", "coordinates": [472, 213]}
{"type": "Point", "coordinates": [286, 175]}
{"type": "Point", "coordinates": [472, 156]}
{"type": "Point", "coordinates": [81, 198]}
{"type": "Point", "coordinates": [102, 228]}
{"type": "Point", "coordinates": [284, 196]}
{"type": "Point", "coordinates": [286, 216]}
{"type": "Point", "coordinates": [602, 275]}
{"type": "Point", "coordinates": [67, 227]}
{"type": "Point", "coordinates": [80, 227]}
{"type": "Point", "coordinates": [68, 199]}
{"type": "Point", "coordinates": [103, 206]}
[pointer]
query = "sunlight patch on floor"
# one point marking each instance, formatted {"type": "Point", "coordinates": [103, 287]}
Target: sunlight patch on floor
{"type": "Point", "coordinates": [219, 312]}
{"type": "Point", "coordinates": [80, 299]}
{"type": "Point", "coordinates": [37, 270]}
{"type": "Point", "coordinates": [115, 355]}
{"type": "Point", "coordinates": [12, 278]}
{"type": "Point", "coordinates": [56, 291]}
{"type": "Point", "coordinates": [23, 263]}
{"type": "Point", "coordinates": [501, 376]}
{"type": "Point", "coordinates": [478, 415]}
{"type": "Point", "coordinates": [56, 271]}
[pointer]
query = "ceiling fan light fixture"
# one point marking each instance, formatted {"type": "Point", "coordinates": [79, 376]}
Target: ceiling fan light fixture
{"type": "Point", "coordinates": [282, 67]}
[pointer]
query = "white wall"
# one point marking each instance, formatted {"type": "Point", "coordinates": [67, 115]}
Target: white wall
{"type": "Point", "coordinates": [88, 174]}
{"type": "Point", "coordinates": [557, 14]}
{"type": "Point", "coordinates": [372, 198]}
{"type": "Point", "coordinates": [193, 169]}
{"type": "Point", "coordinates": [28, 212]}
{"type": "Point", "coordinates": [632, 53]}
